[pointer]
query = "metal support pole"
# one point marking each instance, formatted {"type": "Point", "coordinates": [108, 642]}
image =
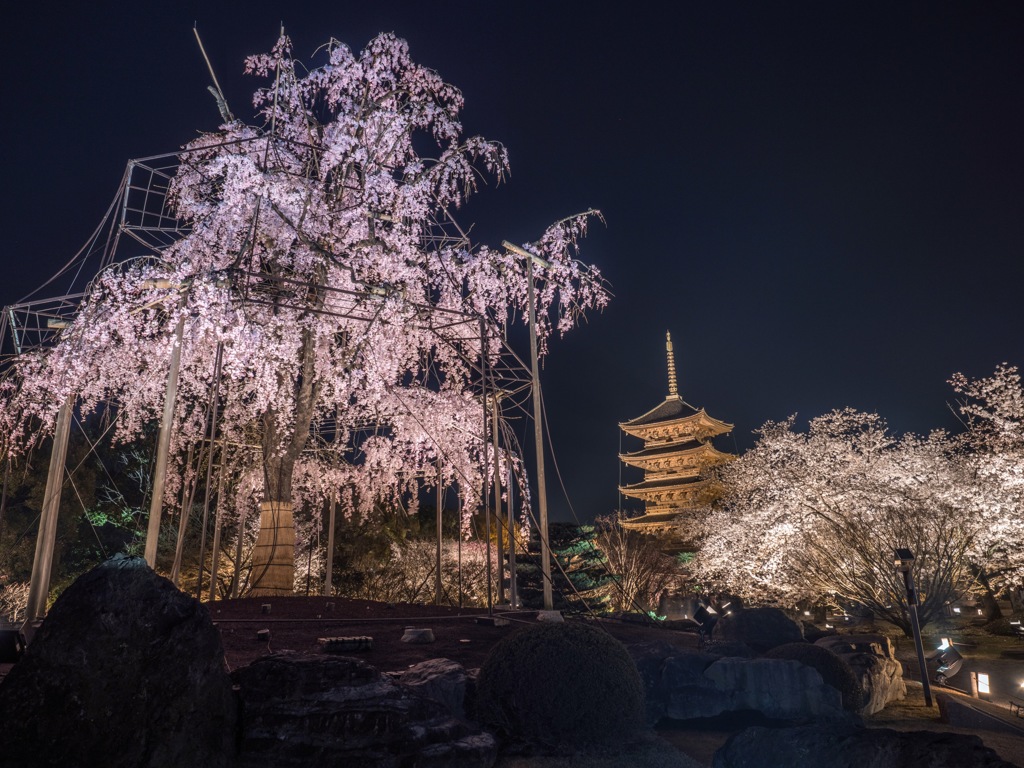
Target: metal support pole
{"type": "Point", "coordinates": [214, 403]}
{"type": "Point", "coordinates": [908, 580]}
{"type": "Point", "coordinates": [236, 578]}
{"type": "Point", "coordinates": [497, 498]}
{"type": "Point", "coordinates": [484, 466]}
{"type": "Point", "coordinates": [163, 447]}
{"type": "Point", "coordinates": [187, 494]}
{"type": "Point", "coordinates": [3, 497]}
{"type": "Point", "coordinates": [331, 515]}
{"type": "Point", "coordinates": [42, 562]}
{"type": "Point", "coordinates": [513, 589]}
{"type": "Point", "coordinates": [461, 511]}
{"type": "Point", "coordinates": [437, 565]}
{"type": "Point", "coordinates": [328, 576]}
{"type": "Point", "coordinates": [215, 547]}
{"type": "Point", "coordinates": [538, 434]}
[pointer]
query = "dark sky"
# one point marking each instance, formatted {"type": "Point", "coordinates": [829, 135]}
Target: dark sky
{"type": "Point", "coordinates": [821, 201]}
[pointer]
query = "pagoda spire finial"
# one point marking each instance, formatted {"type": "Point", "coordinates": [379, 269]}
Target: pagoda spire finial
{"type": "Point", "coordinates": [673, 384]}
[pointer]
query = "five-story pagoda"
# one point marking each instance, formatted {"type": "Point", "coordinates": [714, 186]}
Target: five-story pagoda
{"type": "Point", "coordinates": [676, 454]}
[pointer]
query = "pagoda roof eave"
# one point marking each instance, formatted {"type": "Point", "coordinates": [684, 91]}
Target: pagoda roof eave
{"type": "Point", "coordinates": [711, 426]}
{"type": "Point", "coordinates": [667, 410]}
{"type": "Point", "coordinates": [677, 486]}
{"type": "Point", "coordinates": [693, 448]}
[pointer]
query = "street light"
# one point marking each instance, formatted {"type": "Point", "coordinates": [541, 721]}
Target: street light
{"type": "Point", "coordinates": [542, 494]}
{"type": "Point", "coordinates": [904, 562]}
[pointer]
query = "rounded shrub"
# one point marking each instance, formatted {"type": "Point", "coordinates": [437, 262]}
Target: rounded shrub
{"type": "Point", "coordinates": [553, 684]}
{"type": "Point", "coordinates": [833, 670]}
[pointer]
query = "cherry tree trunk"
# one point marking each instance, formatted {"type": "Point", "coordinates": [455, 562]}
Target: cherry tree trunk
{"type": "Point", "coordinates": [273, 559]}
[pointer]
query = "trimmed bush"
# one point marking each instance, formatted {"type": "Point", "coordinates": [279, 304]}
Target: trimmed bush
{"type": "Point", "coordinates": [554, 684]}
{"type": "Point", "coordinates": [833, 670]}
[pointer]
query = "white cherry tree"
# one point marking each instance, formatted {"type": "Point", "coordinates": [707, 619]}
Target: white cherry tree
{"type": "Point", "coordinates": [816, 515]}
{"type": "Point", "coordinates": [325, 295]}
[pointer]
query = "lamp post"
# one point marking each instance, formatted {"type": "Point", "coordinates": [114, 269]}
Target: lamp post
{"type": "Point", "coordinates": [904, 562]}
{"type": "Point", "coordinates": [542, 495]}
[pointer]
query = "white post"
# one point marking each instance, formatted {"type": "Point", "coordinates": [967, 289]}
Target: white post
{"type": "Point", "coordinates": [163, 448]}
{"type": "Point", "coordinates": [328, 585]}
{"type": "Point", "coordinates": [438, 596]}
{"type": "Point", "coordinates": [497, 500]}
{"type": "Point", "coordinates": [42, 562]}
{"type": "Point", "coordinates": [538, 434]}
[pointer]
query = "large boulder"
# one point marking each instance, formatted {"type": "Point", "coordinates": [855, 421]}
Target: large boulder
{"type": "Point", "coordinates": [664, 667]}
{"type": "Point", "coordinates": [441, 680]}
{"type": "Point", "coordinates": [777, 688]}
{"type": "Point", "coordinates": [760, 628]}
{"type": "Point", "coordinates": [874, 663]}
{"type": "Point", "coordinates": [125, 671]}
{"type": "Point", "coordinates": [310, 710]}
{"type": "Point", "coordinates": [781, 688]}
{"type": "Point", "coordinates": [848, 746]}
{"type": "Point", "coordinates": [683, 685]}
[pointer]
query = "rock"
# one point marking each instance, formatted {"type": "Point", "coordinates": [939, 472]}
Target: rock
{"type": "Point", "coordinates": [847, 746]}
{"type": "Point", "coordinates": [874, 663]}
{"type": "Point", "coordinates": [777, 688]}
{"type": "Point", "coordinates": [440, 680]}
{"type": "Point", "coordinates": [760, 628]}
{"type": "Point", "coordinates": [686, 670]}
{"type": "Point", "coordinates": [345, 644]}
{"type": "Point", "coordinates": [472, 676]}
{"type": "Point", "coordinates": [730, 648]}
{"type": "Point", "coordinates": [125, 671]}
{"type": "Point", "coordinates": [303, 710]}
{"type": "Point", "coordinates": [661, 665]}
{"type": "Point", "coordinates": [417, 636]}
{"type": "Point", "coordinates": [550, 617]}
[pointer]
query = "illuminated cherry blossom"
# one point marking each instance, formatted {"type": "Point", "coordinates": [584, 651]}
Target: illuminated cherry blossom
{"type": "Point", "coordinates": [324, 269]}
{"type": "Point", "coordinates": [815, 516]}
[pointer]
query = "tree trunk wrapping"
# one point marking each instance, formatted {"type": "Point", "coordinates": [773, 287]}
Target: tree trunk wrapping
{"type": "Point", "coordinates": [273, 557]}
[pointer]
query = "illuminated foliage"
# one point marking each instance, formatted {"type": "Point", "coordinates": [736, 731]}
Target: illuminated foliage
{"type": "Point", "coordinates": [817, 515]}
{"type": "Point", "coordinates": [994, 410]}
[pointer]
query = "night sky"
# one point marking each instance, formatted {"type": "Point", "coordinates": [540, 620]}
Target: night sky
{"type": "Point", "coordinates": [821, 201]}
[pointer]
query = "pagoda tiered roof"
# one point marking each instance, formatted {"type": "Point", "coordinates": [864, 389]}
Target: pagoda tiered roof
{"type": "Point", "coordinates": [673, 457]}
{"type": "Point", "coordinates": [675, 421]}
{"type": "Point", "coordinates": [677, 450]}
{"type": "Point", "coordinates": [666, 490]}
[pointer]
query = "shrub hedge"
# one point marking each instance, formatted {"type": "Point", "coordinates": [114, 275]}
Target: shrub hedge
{"type": "Point", "coordinates": [553, 684]}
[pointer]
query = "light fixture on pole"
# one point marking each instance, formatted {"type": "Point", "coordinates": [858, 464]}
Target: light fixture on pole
{"type": "Point", "coordinates": [538, 433]}
{"type": "Point", "coordinates": [904, 562]}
